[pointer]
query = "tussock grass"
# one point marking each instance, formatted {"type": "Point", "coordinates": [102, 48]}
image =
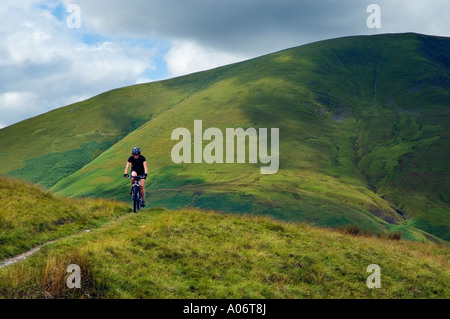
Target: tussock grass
{"type": "Point", "coordinates": [356, 231]}
{"type": "Point", "coordinates": [203, 254]}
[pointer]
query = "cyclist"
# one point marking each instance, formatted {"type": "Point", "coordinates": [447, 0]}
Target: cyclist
{"type": "Point", "coordinates": [138, 167]}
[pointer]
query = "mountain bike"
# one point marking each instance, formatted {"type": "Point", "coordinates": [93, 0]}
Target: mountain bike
{"type": "Point", "coordinates": [136, 192]}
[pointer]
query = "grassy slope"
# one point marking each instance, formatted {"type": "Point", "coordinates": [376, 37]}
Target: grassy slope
{"type": "Point", "coordinates": [200, 254]}
{"type": "Point", "coordinates": [363, 130]}
{"type": "Point", "coordinates": [191, 254]}
{"type": "Point", "coordinates": [31, 216]}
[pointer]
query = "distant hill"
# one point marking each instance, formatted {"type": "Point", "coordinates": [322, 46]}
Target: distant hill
{"type": "Point", "coordinates": [363, 130]}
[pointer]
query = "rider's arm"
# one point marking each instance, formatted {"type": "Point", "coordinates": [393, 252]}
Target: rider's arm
{"type": "Point", "coordinates": [145, 167]}
{"type": "Point", "coordinates": [126, 168]}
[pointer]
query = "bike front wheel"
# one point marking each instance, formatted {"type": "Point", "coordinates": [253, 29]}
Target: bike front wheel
{"type": "Point", "coordinates": [136, 205]}
{"type": "Point", "coordinates": [136, 199]}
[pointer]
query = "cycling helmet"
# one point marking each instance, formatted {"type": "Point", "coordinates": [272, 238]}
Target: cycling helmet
{"type": "Point", "coordinates": [136, 151]}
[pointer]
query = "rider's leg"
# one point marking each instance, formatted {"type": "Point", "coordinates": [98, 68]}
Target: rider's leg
{"type": "Point", "coordinates": [133, 173]}
{"type": "Point", "coordinates": [142, 184]}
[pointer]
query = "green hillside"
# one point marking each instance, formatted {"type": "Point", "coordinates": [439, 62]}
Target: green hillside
{"type": "Point", "coordinates": [198, 254]}
{"type": "Point", "coordinates": [364, 137]}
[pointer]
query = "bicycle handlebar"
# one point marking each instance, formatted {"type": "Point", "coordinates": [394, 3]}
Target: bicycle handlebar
{"type": "Point", "coordinates": [138, 176]}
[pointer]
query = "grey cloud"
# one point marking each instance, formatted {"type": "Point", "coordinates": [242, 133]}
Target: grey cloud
{"type": "Point", "coordinates": [257, 26]}
{"type": "Point", "coordinates": [240, 26]}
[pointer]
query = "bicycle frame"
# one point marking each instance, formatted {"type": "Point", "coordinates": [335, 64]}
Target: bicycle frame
{"type": "Point", "coordinates": [136, 193]}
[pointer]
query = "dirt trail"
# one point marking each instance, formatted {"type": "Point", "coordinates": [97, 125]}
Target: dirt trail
{"type": "Point", "coordinates": [25, 255]}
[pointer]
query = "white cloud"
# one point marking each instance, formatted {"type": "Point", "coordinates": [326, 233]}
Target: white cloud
{"type": "Point", "coordinates": [44, 64]}
{"type": "Point", "coordinates": [421, 16]}
{"type": "Point", "coordinates": [144, 79]}
{"type": "Point", "coordinates": [18, 104]}
{"type": "Point", "coordinates": [186, 57]}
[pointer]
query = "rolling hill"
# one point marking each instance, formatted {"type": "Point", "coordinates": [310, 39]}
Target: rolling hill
{"type": "Point", "coordinates": [363, 137]}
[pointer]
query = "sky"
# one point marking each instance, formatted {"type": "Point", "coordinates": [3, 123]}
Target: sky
{"type": "Point", "coordinates": [57, 52]}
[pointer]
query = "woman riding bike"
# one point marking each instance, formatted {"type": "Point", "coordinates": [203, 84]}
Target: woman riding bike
{"type": "Point", "coordinates": [138, 167]}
